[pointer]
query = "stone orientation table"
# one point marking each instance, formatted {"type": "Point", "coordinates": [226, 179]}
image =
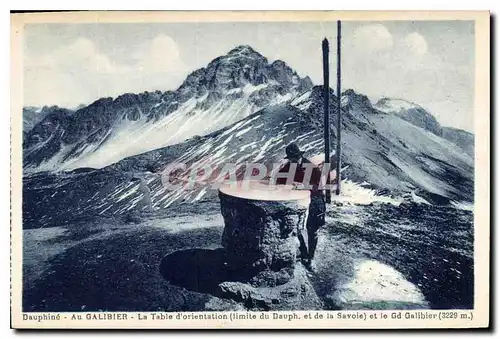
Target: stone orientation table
{"type": "Point", "coordinates": [260, 233]}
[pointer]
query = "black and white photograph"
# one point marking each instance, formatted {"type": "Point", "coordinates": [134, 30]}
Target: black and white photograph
{"type": "Point", "coordinates": [232, 169]}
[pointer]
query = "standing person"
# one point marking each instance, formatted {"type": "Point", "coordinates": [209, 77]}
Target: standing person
{"type": "Point", "coordinates": [304, 168]}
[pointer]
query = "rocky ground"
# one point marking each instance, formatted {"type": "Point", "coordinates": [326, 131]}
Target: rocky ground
{"type": "Point", "coordinates": [375, 256]}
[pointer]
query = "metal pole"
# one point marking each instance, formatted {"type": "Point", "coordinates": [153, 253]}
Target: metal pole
{"type": "Point", "coordinates": [326, 97]}
{"type": "Point", "coordinates": [339, 110]}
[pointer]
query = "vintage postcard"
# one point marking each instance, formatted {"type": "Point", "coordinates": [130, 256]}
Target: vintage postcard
{"type": "Point", "coordinates": [250, 170]}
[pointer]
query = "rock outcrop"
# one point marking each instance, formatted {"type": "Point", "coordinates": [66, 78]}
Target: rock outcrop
{"type": "Point", "coordinates": [230, 88]}
{"type": "Point", "coordinates": [296, 294]}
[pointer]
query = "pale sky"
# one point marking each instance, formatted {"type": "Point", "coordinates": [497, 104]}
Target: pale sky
{"type": "Point", "coordinates": [430, 63]}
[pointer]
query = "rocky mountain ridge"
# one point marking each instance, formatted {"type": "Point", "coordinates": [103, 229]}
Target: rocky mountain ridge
{"type": "Point", "coordinates": [229, 89]}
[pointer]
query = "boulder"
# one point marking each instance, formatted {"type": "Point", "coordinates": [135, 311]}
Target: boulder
{"type": "Point", "coordinates": [296, 294]}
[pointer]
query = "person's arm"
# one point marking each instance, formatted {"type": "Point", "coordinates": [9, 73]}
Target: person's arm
{"type": "Point", "coordinates": [319, 179]}
{"type": "Point", "coordinates": [284, 169]}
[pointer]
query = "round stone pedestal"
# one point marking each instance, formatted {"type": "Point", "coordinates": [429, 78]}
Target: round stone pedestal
{"type": "Point", "coordinates": [260, 234]}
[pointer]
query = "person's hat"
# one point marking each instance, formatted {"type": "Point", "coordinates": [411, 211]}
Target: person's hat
{"type": "Point", "coordinates": [293, 151]}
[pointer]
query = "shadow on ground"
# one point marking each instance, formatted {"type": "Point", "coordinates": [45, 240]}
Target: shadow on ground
{"type": "Point", "coordinates": [197, 269]}
{"type": "Point", "coordinates": [119, 272]}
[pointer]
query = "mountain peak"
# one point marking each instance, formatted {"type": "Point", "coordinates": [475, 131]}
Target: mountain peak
{"type": "Point", "coordinates": [244, 50]}
{"type": "Point", "coordinates": [240, 67]}
{"type": "Point", "coordinates": [354, 100]}
{"type": "Point", "coordinates": [410, 112]}
{"type": "Point", "coordinates": [394, 104]}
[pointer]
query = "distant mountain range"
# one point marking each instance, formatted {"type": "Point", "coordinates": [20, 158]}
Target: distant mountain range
{"type": "Point", "coordinates": [33, 115]}
{"type": "Point", "coordinates": [410, 112]}
{"type": "Point", "coordinates": [229, 89]}
{"type": "Point", "coordinates": [240, 108]}
{"type": "Point", "coordinates": [418, 116]}
{"type": "Point", "coordinates": [463, 139]}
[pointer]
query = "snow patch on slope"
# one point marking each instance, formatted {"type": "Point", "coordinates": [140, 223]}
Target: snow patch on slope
{"type": "Point", "coordinates": [358, 194]}
{"type": "Point", "coordinates": [395, 105]}
{"type": "Point", "coordinates": [463, 205]}
{"type": "Point", "coordinates": [302, 101]}
{"type": "Point", "coordinates": [135, 137]}
{"type": "Point", "coordinates": [375, 282]}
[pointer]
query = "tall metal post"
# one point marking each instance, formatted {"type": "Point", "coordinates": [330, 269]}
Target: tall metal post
{"type": "Point", "coordinates": [338, 152]}
{"type": "Point", "coordinates": [326, 98]}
